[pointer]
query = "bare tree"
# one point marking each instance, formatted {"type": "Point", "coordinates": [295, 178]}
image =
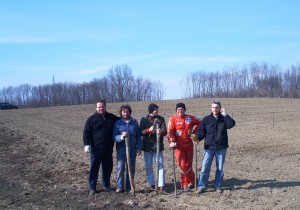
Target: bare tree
{"type": "Point", "coordinates": [121, 79]}
{"type": "Point", "coordinates": [158, 91]}
{"type": "Point", "coordinates": [256, 80]}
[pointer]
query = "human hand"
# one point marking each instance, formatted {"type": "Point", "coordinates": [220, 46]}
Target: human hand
{"type": "Point", "coordinates": [124, 135]}
{"type": "Point", "coordinates": [151, 129]}
{"type": "Point", "coordinates": [195, 139]}
{"type": "Point", "coordinates": [223, 112]}
{"type": "Point", "coordinates": [87, 148]}
{"type": "Point", "coordinates": [172, 144]}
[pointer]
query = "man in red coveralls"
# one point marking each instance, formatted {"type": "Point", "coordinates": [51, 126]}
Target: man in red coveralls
{"type": "Point", "coordinates": [180, 128]}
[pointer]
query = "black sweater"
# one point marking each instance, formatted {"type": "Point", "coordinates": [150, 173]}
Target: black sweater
{"type": "Point", "coordinates": [98, 130]}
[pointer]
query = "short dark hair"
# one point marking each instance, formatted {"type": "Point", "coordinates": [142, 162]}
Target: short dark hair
{"type": "Point", "coordinates": [152, 107]}
{"type": "Point", "coordinates": [101, 101]}
{"type": "Point", "coordinates": [125, 106]}
{"type": "Point", "coordinates": [180, 105]}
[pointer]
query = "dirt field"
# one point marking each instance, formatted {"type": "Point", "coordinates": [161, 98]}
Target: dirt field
{"type": "Point", "coordinates": [43, 165]}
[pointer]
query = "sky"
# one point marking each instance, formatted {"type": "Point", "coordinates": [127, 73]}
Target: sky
{"type": "Point", "coordinates": [77, 41]}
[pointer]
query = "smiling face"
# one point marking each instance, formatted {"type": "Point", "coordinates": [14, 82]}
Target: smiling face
{"type": "Point", "coordinates": [125, 114]}
{"type": "Point", "coordinates": [215, 109]}
{"type": "Point", "coordinates": [180, 111]}
{"type": "Point", "coordinates": [100, 108]}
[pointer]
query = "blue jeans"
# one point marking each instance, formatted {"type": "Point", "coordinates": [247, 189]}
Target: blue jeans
{"type": "Point", "coordinates": [122, 164]}
{"type": "Point", "coordinates": [149, 157]}
{"type": "Point", "coordinates": [208, 157]}
{"type": "Point", "coordinates": [98, 157]}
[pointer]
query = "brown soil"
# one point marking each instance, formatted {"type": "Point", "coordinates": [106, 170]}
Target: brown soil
{"type": "Point", "coordinates": [43, 165]}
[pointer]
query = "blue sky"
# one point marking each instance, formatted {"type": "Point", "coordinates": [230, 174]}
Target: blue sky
{"type": "Point", "coordinates": [77, 41]}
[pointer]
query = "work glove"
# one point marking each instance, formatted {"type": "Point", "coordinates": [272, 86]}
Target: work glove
{"type": "Point", "coordinates": [195, 139]}
{"type": "Point", "coordinates": [87, 148]}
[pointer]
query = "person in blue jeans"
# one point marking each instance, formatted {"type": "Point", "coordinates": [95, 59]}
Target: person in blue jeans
{"type": "Point", "coordinates": [214, 130]}
{"type": "Point", "coordinates": [149, 137]}
{"type": "Point", "coordinates": [126, 127]}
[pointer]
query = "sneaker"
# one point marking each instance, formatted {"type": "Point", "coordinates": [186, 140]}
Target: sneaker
{"type": "Point", "coordinates": [92, 192]}
{"type": "Point", "coordinates": [153, 186]}
{"type": "Point", "coordinates": [200, 190]}
{"type": "Point", "coordinates": [119, 190]}
{"type": "Point", "coordinates": [106, 189]}
{"type": "Point", "coordinates": [219, 190]}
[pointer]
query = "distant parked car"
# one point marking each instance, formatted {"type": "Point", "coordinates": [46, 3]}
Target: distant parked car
{"type": "Point", "coordinates": [7, 106]}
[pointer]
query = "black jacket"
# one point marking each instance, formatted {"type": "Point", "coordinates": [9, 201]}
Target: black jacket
{"type": "Point", "coordinates": [215, 131]}
{"type": "Point", "coordinates": [98, 130]}
{"type": "Point", "coordinates": [149, 139]}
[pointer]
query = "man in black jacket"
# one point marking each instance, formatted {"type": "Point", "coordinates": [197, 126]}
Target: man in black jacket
{"type": "Point", "coordinates": [214, 129]}
{"type": "Point", "coordinates": [98, 141]}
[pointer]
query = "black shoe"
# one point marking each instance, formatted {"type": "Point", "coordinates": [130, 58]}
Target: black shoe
{"type": "Point", "coordinates": [153, 186]}
{"type": "Point", "coordinates": [191, 186]}
{"type": "Point", "coordinates": [106, 189]}
{"type": "Point", "coordinates": [187, 189]}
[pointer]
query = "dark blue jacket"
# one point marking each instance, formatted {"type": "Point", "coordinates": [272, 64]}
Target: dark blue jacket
{"type": "Point", "coordinates": [215, 131]}
{"type": "Point", "coordinates": [134, 135]}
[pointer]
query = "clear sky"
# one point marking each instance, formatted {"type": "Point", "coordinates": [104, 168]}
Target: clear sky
{"type": "Point", "coordinates": [77, 41]}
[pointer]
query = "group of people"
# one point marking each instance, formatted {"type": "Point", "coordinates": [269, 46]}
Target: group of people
{"type": "Point", "coordinates": [183, 131]}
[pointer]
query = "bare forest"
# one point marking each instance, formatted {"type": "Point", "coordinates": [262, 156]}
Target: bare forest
{"type": "Point", "coordinates": [120, 85]}
{"type": "Point", "coordinates": [117, 86]}
{"type": "Point", "coordinates": [253, 81]}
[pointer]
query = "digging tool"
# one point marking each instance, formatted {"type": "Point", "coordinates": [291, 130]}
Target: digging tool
{"type": "Point", "coordinates": [157, 153]}
{"type": "Point", "coordinates": [174, 173]}
{"type": "Point", "coordinates": [195, 141]}
{"type": "Point", "coordinates": [127, 143]}
{"type": "Point", "coordinates": [196, 160]}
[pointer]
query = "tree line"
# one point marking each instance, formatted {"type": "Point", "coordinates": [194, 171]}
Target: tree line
{"type": "Point", "coordinates": [119, 85]}
{"type": "Point", "coordinates": [255, 80]}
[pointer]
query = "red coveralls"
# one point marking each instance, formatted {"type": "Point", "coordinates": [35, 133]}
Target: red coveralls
{"type": "Point", "coordinates": [180, 130]}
